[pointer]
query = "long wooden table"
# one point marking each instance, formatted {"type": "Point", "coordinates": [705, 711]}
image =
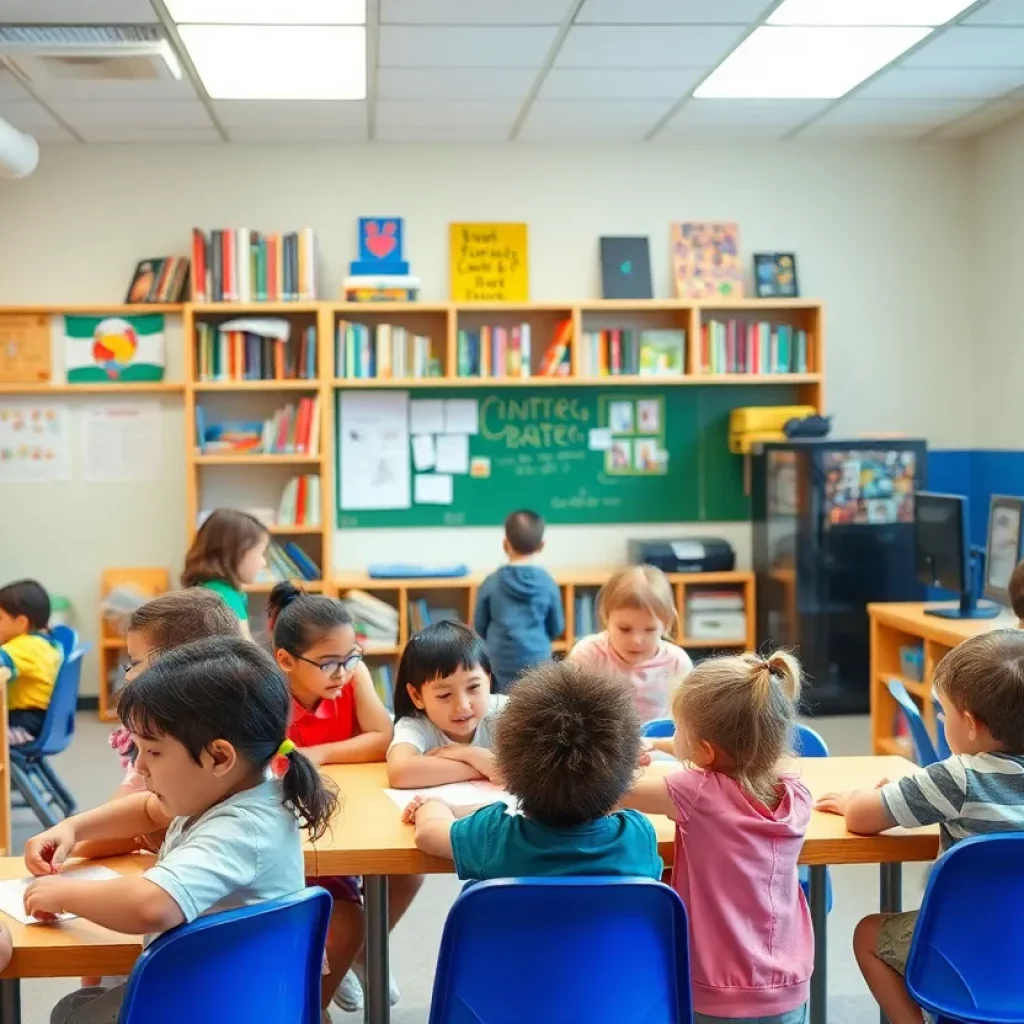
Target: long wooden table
{"type": "Point", "coordinates": [369, 839]}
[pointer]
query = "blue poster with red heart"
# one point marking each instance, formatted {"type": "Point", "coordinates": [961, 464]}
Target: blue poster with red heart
{"type": "Point", "coordinates": [380, 247]}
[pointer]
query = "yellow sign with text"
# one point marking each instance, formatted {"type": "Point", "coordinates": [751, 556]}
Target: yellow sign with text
{"type": "Point", "coordinates": [488, 262]}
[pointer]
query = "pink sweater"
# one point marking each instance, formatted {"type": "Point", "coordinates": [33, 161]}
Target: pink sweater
{"type": "Point", "coordinates": [751, 944]}
{"type": "Point", "coordinates": [653, 680]}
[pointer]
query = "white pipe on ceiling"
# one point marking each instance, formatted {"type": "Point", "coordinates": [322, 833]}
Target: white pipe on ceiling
{"type": "Point", "coordinates": [19, 153]}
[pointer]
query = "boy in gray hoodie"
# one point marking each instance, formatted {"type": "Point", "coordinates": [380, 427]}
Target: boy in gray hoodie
{"type": "Point", "coordinates": [519, 607]}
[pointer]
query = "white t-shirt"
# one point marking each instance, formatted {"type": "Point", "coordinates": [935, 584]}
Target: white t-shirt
{"type": "Point", "coordinates": [243, 851]}
{"type": "Point", "coordinates": [419, 732]}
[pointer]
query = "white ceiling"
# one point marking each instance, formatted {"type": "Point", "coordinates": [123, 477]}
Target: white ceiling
{"type": "Point", "coordinates": [540, 71]}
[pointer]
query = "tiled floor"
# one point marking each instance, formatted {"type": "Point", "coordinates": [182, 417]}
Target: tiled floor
{"type": "Point", "coordinates": [91, 769]}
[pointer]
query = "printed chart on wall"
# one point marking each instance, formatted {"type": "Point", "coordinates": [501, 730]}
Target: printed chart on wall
{"type": "Point", "coordinates": [35, 442]}
{"type": "Point", "coordinates": [447, 457]}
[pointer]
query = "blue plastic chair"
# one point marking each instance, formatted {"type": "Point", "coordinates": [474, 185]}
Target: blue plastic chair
{"type": "Point", "coordinates": [658, 728]}
{"type": "Point", "coordinates": [941, 744]}
{"type": "Point", "coordinates": [31, 774]}
{"type": "Point", "coordinates": [924, 750]}
{"type": "Point", "coordinates": [968, 944]}
{"type": "Point", "coordinates": [67, 638]}
{"type": "Point", "coordinates": [258, 963]}
{"type": "Point", "coordinates": [809, 743]}
{"type": "Point", "coordinates": [600, 950]}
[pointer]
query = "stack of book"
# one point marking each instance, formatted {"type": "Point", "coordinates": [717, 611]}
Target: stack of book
{"type": "Point", "coordinates": [230, 351]}
{"type": "Point", "coordinates": [239, 265]}
{"type": "Point", "coordinates": [715, 615]}
{"type": "Point", "coordinates": [507, 352]}
{"type": "Point", "coordinates": [422, 615]}
{"type": "Point", "coordinates": [300, 502]}
{"type": "Point", "coordinates": [739, 346]}
{"type": "Point", "coordinates": [383, 684]}
{"type": "Point", "coordinates": [381, 288]}
{"type": "Point", "coordinates": [650, 353]}
{"type": "Point", "coordinates": [586, 617]}
{"type": "Point", "coordinates": [288, 562]}
{"type": "Point", "coordinates": [292, 430]}
{"type": "Point", "coordinates": [383, 351]}
{"type": "Point", "coordinates": [376, 621]}
{"type": "Point", "coordinates": [159, 280]}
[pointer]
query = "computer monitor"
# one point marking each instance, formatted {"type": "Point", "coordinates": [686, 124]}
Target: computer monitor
{"type": "Point", "coordinates": [1003, 548]}
{"type": "Point", "coordinates": [943, 552]}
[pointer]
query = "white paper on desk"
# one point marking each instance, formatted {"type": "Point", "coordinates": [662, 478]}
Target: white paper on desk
{"type": "Point", "coordinates": [462, 416]}
{"type": "Point", "coordinates": [12, 892]}
{"type": "Point", "coordinates": [433, 489]}
{"type": "Point", "coordinates": [458, 794]}
{"type": "Point", "coordinates": [453, 453]}
{"type": "Point", "coordinates": [426, 416]}
{"type": "Point", "coordinates": [423, 456]}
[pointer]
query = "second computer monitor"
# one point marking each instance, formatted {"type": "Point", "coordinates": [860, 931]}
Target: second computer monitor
{"type": "Point", "coordinates": [1003, 545]}
{"type": "Point", "coordinates": [940, 539]}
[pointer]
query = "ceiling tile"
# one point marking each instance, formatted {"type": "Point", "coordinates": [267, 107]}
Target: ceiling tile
{"type": "Point", "coordinates": [450, 133]}
{"type": "Point", "coordinates": [948, 83]}
{"type": "Point", "coordinates": [468, 113]}
{"type": "Point", "coordinates": [298, 133]}
{"type": "Point", "coordinates": [897, 112]}
{"type": "Point", "coordinates": [301, 113]}
{"type": "Point", "coordinates": [982, 120]}
{"type": "Point", "coordinates": [454, 83]}
{"type": "Point", "coordinates": [863, 131]}
{"type": "Point", "coordinates": [645, 113]}
{"type": "Point", "coordinates": [626, 46]}
{"type": "Point", "coordinates": [167, 114]}
{"type": "Point", "coordinates": [431, 47]}
{"type": "Point", "coordinates": [10, 87]}
{"type": "Point", "coordinates": [473, 12]}
{"type": "Point", "coordinates": [127, 133]}
{"type": "Point", "coordinates": [534, 131]}
{"type": "Point", "coordinates": [671, 12]}
{"type": "Point", "coordinates": [52, 133]}
{"type": "Point", "coordinates": [998, 12]}
{"type": "Point", "coordinates": [77, 12]}
{"type": "Point", "coordinates": [720, 133]}
{"type": "Point", "coordinates": [971, 48]}
{"type": "Point", "coordinates": [619, 83]}
{"type": "Point", "coordinates": [168, 89]}
{"type": "Point", "coordinates": [747, 113]}
{"type": "Point", "coordinates": [26, 115]}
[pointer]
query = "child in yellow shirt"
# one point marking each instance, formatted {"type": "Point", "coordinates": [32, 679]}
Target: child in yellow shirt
{"type": "Point", "coordinates": [29, 657]}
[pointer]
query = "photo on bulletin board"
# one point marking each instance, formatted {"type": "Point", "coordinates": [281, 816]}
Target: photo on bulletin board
{"type": "Point", "coordinates": [869, 487]}
{"type": "Point", "coordinates": [619, 458]}
{"type": "Point", "coordinates": [488, 262]}
{"type": "Point", "coordinates": [620, 417]}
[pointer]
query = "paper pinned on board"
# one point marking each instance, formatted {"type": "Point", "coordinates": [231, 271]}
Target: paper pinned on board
{"type": "Point", "coordinates": [458, 794]}
{"type": "Point", "coordinates": [599, 439]}
{"type": "Point", "coordinates": [12, 891]}
{"type": "Point", "coordinates": [423, 456]}
{"type": "Point", "coordinates": [433, 489]}
{"type": "Point", "coordinates": [122, 441]}
{"type": "Point", "coordinates": [453, 453]}
{"type": "Point", "coordinates": [461, 416]}
{"type": "Point", "coordinates": [373, 437]}
{"type": "Point", "coordinates": [426, 416]}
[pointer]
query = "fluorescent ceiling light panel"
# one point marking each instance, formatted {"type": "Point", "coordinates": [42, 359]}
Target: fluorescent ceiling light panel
{"type": "Point", "coordinates": [267, 12]}
{"type": "Point", "coordinates": [865, 12]}
{"type": "Point", "coordinates": [805, 63]}
{"type": "Point", "coordinates": [290, 62]}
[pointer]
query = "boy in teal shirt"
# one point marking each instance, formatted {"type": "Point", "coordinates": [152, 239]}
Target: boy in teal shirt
{"type": "Point", "coordinates": [566, 743]}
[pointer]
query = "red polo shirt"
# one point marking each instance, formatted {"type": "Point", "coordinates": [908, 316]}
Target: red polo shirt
{"type": "Point", "coordinates": [329, 722]}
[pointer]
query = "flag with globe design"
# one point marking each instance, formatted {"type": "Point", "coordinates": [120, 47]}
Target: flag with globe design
{"type": "Point", "coordinates": [113, 349]}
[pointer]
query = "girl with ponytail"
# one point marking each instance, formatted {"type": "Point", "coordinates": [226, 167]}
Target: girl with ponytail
{"type": "Point", "coordinates": [740, 820]}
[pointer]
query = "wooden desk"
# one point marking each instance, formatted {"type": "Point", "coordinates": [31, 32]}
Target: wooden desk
{"type": "Point", "coordinates": [368, 838]}
{"type": "Point", "coordinates": [900, 624]}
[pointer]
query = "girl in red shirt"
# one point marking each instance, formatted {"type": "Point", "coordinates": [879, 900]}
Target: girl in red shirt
{"type": "Point", "coordinates": [337, 718]}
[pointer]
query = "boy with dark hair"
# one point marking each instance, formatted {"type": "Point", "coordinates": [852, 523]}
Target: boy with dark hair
{"type": "Point", "coordinates": [29, 657]}
{"type": "Point", "coordinates": [1015, 588]}
{"type": "Point", "coordinates": [566, 745]}
{"type": "Point", "coordinates": [519, 607]}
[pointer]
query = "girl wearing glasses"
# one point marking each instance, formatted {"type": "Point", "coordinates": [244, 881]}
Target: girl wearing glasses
{"type": "Point", "coordinates": [337, 718]}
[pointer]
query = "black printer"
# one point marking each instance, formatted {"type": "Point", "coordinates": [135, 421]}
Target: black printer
{"type": "Point", "coordinates": [688, 554]}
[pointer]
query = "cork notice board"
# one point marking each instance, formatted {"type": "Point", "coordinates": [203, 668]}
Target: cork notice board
{"type": "Point", "coordinates": [24, 348]}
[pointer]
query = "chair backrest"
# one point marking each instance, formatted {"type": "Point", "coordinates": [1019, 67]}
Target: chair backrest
{"type": "Point", "coordinates": [924, 751]}
{"type": "Point", "coordinates": [66, 637]}
{"type": "Point", "coordinates": [658, 728]}
{"type": "Point", "coordinates": [941, 744]}
{"type": "Point", "coordinates": [968, 944]}
{"type": "Point", "coordinates": [599, 950]}
{"type": "Point", "coordinates": [807, 742]}
{"type": "Point", "coordinates": [59, 724]}
{"type": "Point", "coordinates": [258, 963]}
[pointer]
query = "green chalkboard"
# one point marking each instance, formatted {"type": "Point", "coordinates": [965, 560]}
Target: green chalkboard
{"type": "Point", "coordinates": [537, 448]}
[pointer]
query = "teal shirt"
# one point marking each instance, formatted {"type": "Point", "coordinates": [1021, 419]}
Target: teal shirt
{"type": "Point", "coordinates": [234, 599]}
{"type": "Point", "coordinates": [493, 844]}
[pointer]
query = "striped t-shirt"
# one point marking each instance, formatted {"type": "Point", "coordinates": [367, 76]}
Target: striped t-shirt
{"type": "Point", "coordinates": [966, 795]}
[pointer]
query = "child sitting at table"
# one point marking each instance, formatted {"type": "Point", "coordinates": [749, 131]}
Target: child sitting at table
{"type": "Point", "coordinates": [209, 720]}
{"type": "Point", "coordinates": [566, 745]}
{"type": "Point", "coordinates": [740, 824]}
{"type": "Point", "coordinates": [976, 791]}
{"type": "Point", "coordinates": [638, 610]}
{"type": "Point", "coordinates": [336, 718]}
{"type": "Point", "coordinates": [444, 709]}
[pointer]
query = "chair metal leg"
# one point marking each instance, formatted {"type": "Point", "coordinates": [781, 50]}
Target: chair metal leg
{"type": "Point", "coordinates": [61, 795]}
{"type": "Point", "coordinates": [10, 1001]}
{"type": "Point", "coordinates": [26, 786]}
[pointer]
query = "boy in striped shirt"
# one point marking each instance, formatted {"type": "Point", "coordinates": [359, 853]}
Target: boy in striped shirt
{"type": "Point", "coordinates": [976, 791]}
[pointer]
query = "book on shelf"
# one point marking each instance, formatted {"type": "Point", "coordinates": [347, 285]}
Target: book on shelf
{"type": "Point", "coordinates": [293, 429]}
{"type": "Point", "coordinates": [384, 684]}
{"type": "Point", "coordinates": [376, 620]}
{"type": "Point", "coordinates": [380, 288]}
{"type": "Point", "coordinates": [624, 352]}
{"type": "Point", "coordinates": [422, 615]}
{"type": "Point", "coordinates": [239, 265]}
{"type": "Point", "coordinates": [161, 280]}
{"type": "Point", "coordinates": [584, 608]}
{"type": "Point", "coordinates": [288, 562]}
{"type": "Point", "coordinates": [255, 349]}
{"type": "Point", "coordinates": [742, 346]}
{"type": "Point", "coordinates": [300, 502]}
{"type": "Point", "coordinates": [507, 352]}
{"type": "Point", "coordinates": [383, 351]}
{"type": "Point", "coordinates": [714, 601]}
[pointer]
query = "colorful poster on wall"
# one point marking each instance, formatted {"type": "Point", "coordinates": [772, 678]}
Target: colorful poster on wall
{"type": "Point", "coordinates": [869, 487]}
{"type": "Point", "coordinates": [24, 349]}
{"type": "Point", "coordinates": [108, 350]}
{"type": "Point", "coordinates": [34, 442]}
{"type": "Point", "coordinates": [706, 260]}
{"type": "Point", "coordinates": [488, 262]}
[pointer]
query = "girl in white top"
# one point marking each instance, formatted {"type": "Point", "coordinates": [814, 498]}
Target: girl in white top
{"type": "Point", "coordinates": [638, 610]}
{"type": "Point", "coordinates": [444, 709]}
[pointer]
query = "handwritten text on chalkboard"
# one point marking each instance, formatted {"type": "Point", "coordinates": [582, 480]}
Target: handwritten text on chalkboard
{"type": "Point", "coordinates": [535, 422]}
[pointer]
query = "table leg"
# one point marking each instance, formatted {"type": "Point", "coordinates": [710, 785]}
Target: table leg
{"type": "Point", "coordinates": [890, 898]}
{"type": "Point", "coordinates": [10, 1001]}
{"type": "Point", "coordinates": [377, 998]}
{"type": "Point", "coordinates": [819, 919]}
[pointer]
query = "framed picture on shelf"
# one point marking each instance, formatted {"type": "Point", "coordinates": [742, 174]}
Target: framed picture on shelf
{"type": "Point", "coordinates": [775, 275]}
